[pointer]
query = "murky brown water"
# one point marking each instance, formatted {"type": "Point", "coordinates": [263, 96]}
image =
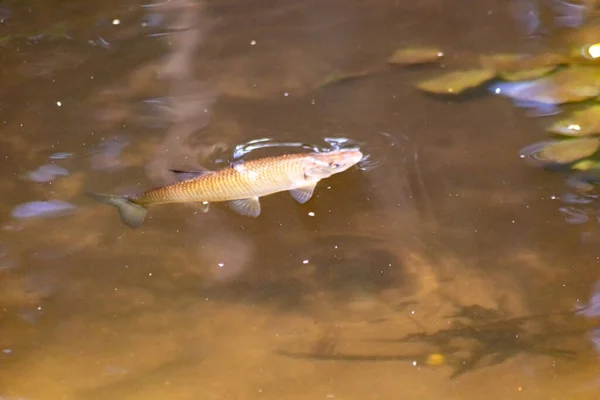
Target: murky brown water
{"type": "Point", "coordinates": [446, 271]}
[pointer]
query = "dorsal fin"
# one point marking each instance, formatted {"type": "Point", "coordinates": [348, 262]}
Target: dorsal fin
{"type": "Point", "coordinates": [186, 175]}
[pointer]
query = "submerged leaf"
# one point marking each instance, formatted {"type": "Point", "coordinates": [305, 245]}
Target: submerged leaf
{"type": "Point", "coordinates": [572, 84]}
{"type": "Point", "coordinates": [567, 151]}
{"type": "Point", "coordinates": [456, 82]}
{"type": "Point", "coordinates": [412, 56]}
{"type": "Point", "coordinates": [583, 122]}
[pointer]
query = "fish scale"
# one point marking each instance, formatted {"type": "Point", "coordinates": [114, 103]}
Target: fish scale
{"type": "Point", "coordinates": [254, 178]}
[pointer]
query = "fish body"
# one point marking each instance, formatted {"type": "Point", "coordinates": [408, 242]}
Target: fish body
{"type": "Point", "coordinates": [241, 184]}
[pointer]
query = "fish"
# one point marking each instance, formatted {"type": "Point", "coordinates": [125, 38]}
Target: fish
{"type": "Point", "coordinates": [240, 185]}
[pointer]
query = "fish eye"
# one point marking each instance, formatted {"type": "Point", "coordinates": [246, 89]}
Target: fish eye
{"type": "Point", "coordinates": [333, 164]}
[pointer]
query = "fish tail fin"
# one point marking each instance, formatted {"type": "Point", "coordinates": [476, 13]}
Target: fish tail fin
{"type": "Point", "coordinates": [132, 214]}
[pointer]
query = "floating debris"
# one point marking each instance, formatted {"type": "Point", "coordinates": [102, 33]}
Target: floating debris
{"type": "Point", "coordinates": [415, 56]}
{"type": "Point", "coordinates": [456, 82]}
{"type": "Point", "coordinates": [43, 209]}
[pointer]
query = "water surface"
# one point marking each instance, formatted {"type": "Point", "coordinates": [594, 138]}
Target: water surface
{"type": "Point", "coordinates": [444, 268]}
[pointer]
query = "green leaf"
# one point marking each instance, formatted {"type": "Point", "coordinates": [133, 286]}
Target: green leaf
{"type": "Point", "coordinates": [456, 82]}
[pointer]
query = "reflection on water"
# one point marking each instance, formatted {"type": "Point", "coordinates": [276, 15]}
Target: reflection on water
{"type": "Point", "coordinates": [476, 336]}
{"type": "Point", "coordinates": [439, 268]}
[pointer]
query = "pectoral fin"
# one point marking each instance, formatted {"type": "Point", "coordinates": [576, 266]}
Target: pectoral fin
{"type": "Point", "coordinates": [247, 207]}
{"type": "Point", "coordinates": [186, 175]}
{"type": "Point", "coordinates": [303, 194]}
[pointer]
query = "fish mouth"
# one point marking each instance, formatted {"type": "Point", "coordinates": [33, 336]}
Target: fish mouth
{"type": "Point", "coordinates": [352, 156]}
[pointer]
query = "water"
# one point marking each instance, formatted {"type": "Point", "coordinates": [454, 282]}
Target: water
{"type": "Point", "coordinates": [445, 267]}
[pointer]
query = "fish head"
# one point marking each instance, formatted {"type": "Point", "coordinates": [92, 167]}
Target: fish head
{"type": "Point", "coordinates": [323, 165]}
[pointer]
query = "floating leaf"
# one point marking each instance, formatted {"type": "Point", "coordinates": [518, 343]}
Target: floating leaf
{"type": "Point", "coordinates": [567, 151]}
{"type": "Point", "coordinates": [572, 84]}
{"type": "Point", "coordinates": [521, 67]}
{"type": "Point", "coordinates": [456, 82]}
{"type": "Point", "coordinates": [584, 122]}
{"type": "Point", "coordinates": [520, 62]}
{"type": "Point", "coordinates": [413, 56]}
{"type": "Point", "coordinates": [526, 74]}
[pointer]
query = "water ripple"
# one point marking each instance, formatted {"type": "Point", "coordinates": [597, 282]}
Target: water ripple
{"type": "Point", "coordinates": [532, 153]}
